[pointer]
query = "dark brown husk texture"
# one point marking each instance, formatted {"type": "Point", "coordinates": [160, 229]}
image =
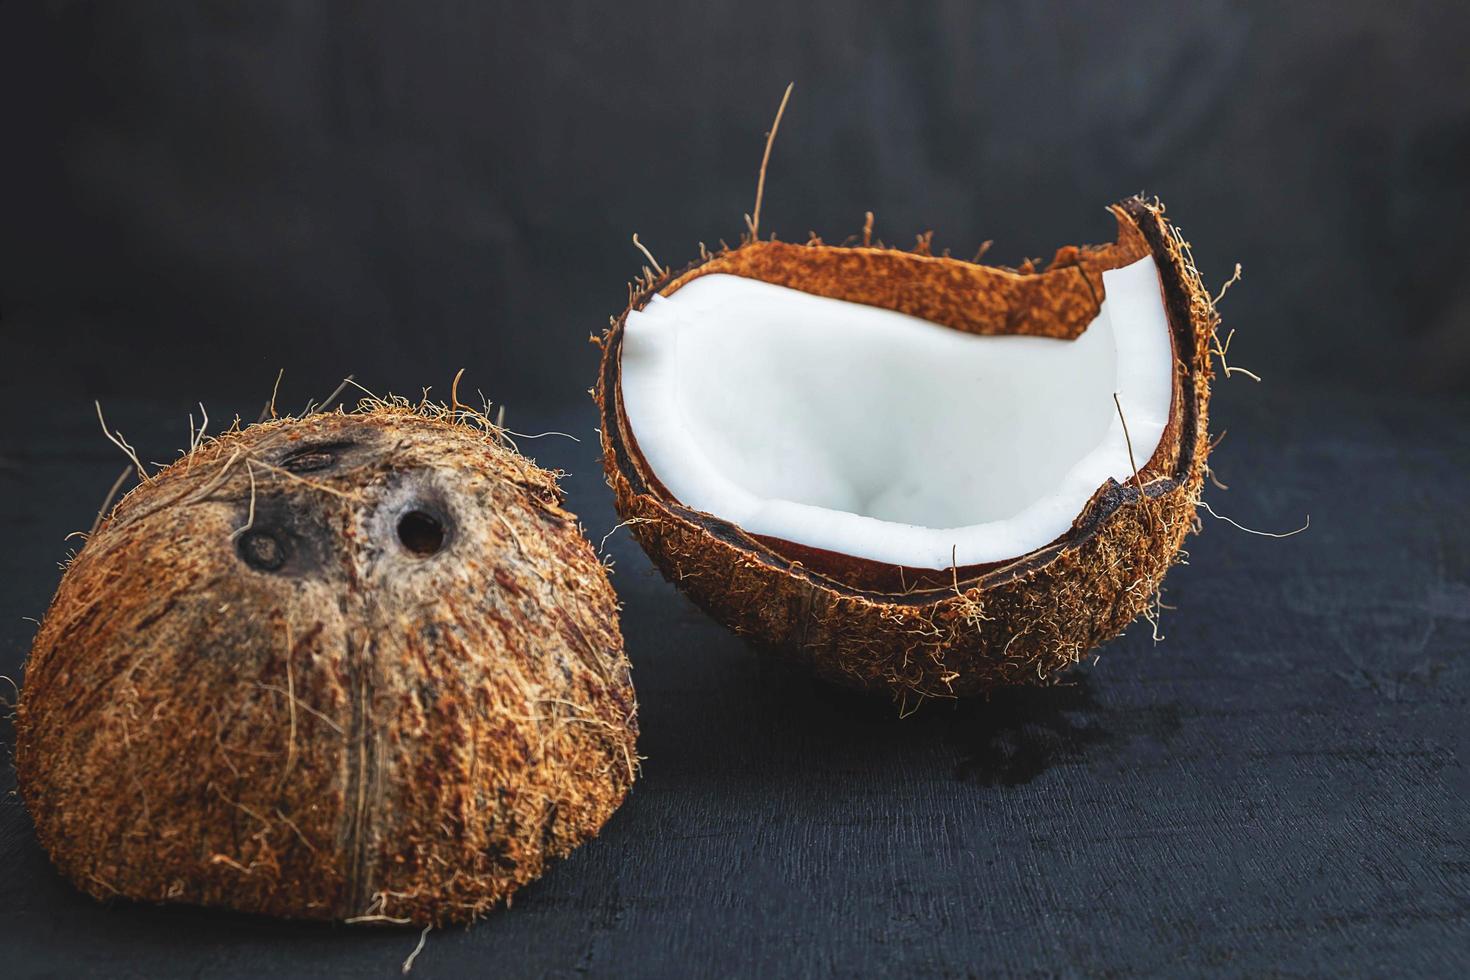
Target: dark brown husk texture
{"type": "Point", "coordinates": [969, 630]}
{"type": "Point", "coordinates": [359, 733]}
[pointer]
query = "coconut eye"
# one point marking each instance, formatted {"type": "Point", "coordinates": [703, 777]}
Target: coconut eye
{"type": "Point", "coordinates": [309, 459]}
{"type": "Point", "coordinates": [262, 550]}
{"type": "Point", "coordinates": [310, 462]}
{"type": "Point", "coordinates": [421, 533]}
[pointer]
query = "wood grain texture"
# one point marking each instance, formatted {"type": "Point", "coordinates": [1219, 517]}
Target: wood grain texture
{"type": "Point", "coordinates": [1280, 786]}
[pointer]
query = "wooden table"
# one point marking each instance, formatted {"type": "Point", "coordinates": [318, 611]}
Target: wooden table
{"type": "Point", "coordinates": [1279, 785]}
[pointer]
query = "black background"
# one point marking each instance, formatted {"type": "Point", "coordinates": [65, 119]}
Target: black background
{"type": "Point", "coordinates": [200, 194]}
{"type": "Point", "coordinates": [197, 195]}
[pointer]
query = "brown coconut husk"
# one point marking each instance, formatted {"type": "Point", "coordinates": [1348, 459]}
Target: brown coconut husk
{"type": "Point", "coordinates": [941, 632]}
{"type": "Point", "coordinates": [248, 692]}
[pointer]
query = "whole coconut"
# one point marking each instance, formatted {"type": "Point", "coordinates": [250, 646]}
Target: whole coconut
{"type": "Point", "coordinates": [350, 666]}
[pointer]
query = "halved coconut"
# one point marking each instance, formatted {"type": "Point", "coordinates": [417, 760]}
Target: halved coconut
{"type": "Point", "coordinates": [916, 472]}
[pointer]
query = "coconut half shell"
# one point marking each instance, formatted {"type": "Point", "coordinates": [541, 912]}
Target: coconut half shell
{"type": "Point", "coordinates": [962, 630]}
{"type": "Point", "coordinates": [355, 666]}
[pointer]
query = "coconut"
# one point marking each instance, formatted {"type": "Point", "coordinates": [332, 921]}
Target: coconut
{"type": "Point", "coordinates": [911, 472]}
{"type": "Point", "coordinates": [358, 665]}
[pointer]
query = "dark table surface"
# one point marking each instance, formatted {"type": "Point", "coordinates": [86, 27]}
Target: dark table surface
{"type": "Point", "coordinates": [1280, 785]}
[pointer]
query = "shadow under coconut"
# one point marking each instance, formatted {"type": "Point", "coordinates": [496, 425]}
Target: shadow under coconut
{"type": "Point", "coordinates": [47, 913]}
{"type": "Point", "coordinates": [1008, 738]}
{"type": "Point", "coordinates": [1022, 732]}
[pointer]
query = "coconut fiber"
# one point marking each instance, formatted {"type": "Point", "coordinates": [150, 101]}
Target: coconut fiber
{"type": "Point", "coordinates": [352, 666]}
{"type": "Point", "coordinates": [962, 631]}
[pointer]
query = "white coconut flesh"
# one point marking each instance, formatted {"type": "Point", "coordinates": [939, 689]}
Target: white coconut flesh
{"type": "Point", "coordinates": [877, 435]}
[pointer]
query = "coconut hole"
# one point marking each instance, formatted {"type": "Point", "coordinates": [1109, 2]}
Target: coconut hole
{"type": "Point", "coordinates": [262, 550]}
{"type": "Point", "coordinates": [421, 533]}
